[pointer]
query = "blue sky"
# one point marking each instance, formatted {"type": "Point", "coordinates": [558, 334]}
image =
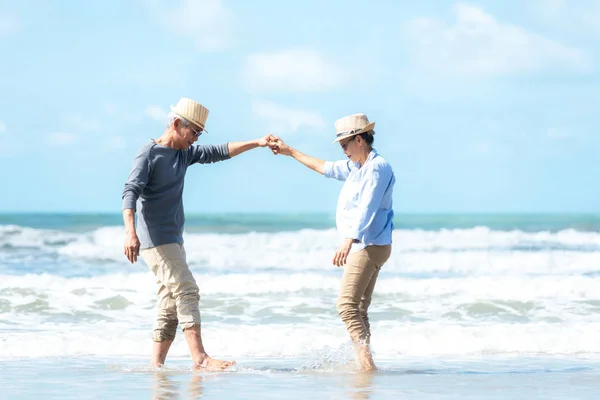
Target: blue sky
{"type": "Point", "coordinates": [481, 106]}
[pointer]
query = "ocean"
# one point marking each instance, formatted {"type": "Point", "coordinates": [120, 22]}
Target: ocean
{"type": "Point", "coordinates": [468, 306]}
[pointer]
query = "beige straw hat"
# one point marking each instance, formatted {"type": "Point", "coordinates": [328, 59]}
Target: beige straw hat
{"type": "Point", "coordinates": [192, 111]}
{"type": "Point", "coordinates": [352, 125]}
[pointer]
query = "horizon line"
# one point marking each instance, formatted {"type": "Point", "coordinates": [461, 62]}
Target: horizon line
{"type": "Point", "coordinates": [192, 213]}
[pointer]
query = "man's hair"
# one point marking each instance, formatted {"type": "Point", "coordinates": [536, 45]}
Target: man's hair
{"type": "Point", "coordinates": [172, 117]}
{"type": "Point", "coordinates": [368, 136]}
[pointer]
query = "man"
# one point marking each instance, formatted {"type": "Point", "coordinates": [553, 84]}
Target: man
{"type": "Point", "coordinates": [154, 189]}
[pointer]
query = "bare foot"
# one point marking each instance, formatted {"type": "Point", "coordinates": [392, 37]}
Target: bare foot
{"type": "Point", "coordinates": [365, 358]}
{"type": "Point", "coordinates": [210, 364]}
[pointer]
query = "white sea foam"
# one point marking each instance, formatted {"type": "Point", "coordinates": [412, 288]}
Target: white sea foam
{"type": "Point", "coordinates": [240, 299]}
{"type": "Point", "coordinates": [446, 292]}
{"type": "Point", "coordinates": [304, 340]}
{"type": "Point", "coordinates": [467, 251]}
{"type": "Point", "coordinates": [522, 288]}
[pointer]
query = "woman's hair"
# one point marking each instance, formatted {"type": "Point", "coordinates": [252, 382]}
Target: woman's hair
{"type": "Point", "coordinates": [368, 136]}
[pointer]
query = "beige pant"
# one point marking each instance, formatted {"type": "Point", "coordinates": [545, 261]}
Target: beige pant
{"type": "Point", "coordinates": [178, 294]}
{"type": "Point", "coordinates": [358, 282]}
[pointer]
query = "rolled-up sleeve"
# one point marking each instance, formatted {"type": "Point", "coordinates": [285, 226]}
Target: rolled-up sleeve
{"type": "Point", "coordinates": [210, 153]}
{"type": "Point", "coordinates": [372, 189]}
{"type": "Point", "coordinates": [137, 180]}
{"type": "Point", "coordinates": [337, 169]}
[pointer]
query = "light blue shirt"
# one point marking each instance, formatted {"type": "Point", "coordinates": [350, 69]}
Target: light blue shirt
{"type": "Point", "coordinates": [364, 210]}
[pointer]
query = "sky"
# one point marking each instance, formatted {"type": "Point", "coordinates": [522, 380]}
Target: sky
{"type": "Point", "coordinates": [480, 106]}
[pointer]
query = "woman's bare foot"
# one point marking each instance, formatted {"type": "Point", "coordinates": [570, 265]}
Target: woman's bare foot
{"type": "Point", "coordinates": [210, 364]}
{"type": "Point", "coordinates": [365, 358]}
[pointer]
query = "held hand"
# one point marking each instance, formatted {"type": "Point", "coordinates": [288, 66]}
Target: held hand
{"type": "Point", "coordinates": [132, 247]}
{"type": "Point", "coordinates": [265, 141]}
{"type": "Point", "coordinates": [341, 255]}
{"type": "Point", "coordinates": [279, 147]}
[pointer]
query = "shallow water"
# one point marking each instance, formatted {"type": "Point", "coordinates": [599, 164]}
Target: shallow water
{"type": "Point", "coordinates": [466, 307]}
{"type": "Point", "coordinates": [473, 378]}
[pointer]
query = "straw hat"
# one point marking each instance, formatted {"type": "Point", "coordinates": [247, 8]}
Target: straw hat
{"type": "Point", "coordinates": [352, 125]}
{"type": "Point", "coordinates": [192, 111]}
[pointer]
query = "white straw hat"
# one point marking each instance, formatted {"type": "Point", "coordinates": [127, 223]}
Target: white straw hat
{"type": "Point", "coordinates": [192, 111]}
{"type": "Point", "coordinates": [352, 125]}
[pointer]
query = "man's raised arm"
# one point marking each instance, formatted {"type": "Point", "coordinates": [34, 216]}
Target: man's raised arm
{"type": "Point", "coordinates": [236, 148]}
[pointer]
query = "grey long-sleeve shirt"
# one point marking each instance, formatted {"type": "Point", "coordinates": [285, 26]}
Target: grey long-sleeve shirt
{"type": "Point", "coordinates": [155, 189]}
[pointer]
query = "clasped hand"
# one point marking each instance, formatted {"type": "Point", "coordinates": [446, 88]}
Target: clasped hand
{"type": "Point", "coordinates": [277, 145]}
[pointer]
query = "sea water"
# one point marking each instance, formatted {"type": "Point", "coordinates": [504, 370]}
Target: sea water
{"type": "Point", "coordinates": [468, 306]}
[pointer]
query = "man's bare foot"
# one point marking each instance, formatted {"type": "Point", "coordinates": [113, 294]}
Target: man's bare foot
{"type": "Point", "coordinates": [210, 364]}
{"type": "Point", "coordinates": [365, 358]}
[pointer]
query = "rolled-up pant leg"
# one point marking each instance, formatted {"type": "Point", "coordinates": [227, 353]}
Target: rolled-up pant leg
{"type": "Point", "coordinates": [178, 294]}
{"type": "Point", "coordinates": [165, 326]}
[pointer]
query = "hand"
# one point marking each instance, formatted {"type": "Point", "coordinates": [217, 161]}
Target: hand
{"type": "Point", "coordinates": [265, 141]}
{"type": "Point", "coordinates": [341, 255]}
{"type": "Point", "coordinates": [279, 147]}
{"type": "Point", "coordinates": [132, 246]}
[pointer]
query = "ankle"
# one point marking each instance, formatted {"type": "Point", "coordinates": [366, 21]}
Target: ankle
{"type": "Point", "coordinates": [200, 358]}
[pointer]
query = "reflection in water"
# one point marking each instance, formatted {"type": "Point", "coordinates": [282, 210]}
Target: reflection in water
{"type": "Point", "coordinates": [167, 388]}
{"type": "Point", "coordinates": [196, 386]}
{"type": "Point", "coordinates": [361, 385]}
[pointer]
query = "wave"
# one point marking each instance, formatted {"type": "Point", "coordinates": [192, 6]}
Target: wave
{"type": "Point", "coordinates": [457, 251]}
{"type": "Point", "coordinates": [142, 283]}
{"type": "Point", "coordinates": [312, 341]}
{"type": "Point", "coordinates": [283, 314]}
{"type": "Point", "coordinates": [34, 300]}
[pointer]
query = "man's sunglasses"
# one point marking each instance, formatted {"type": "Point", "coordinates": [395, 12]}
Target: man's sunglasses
{"type": "Point", "coordinates": [198, 132]}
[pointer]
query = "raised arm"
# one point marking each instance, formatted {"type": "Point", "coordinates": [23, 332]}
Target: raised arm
{"type": "Point", "coordinates": [210, 153]}
{"type": "Point", "coordinates": [279, 147]}
{"type": "Point", "coordinates": [236, 148]}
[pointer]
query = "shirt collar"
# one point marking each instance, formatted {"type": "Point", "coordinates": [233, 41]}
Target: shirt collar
{"type": "Point", "coordinates": [371, 156]}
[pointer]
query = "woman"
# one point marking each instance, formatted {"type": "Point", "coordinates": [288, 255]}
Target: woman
{"type": "Point", "coordinates": [363, 218]}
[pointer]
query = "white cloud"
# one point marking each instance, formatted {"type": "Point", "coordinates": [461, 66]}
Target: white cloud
{"type": "Point", "coordinates": [476, 44]}
{"type": "Point", "coordinates": [292, 70]}
{"type": "Point", "coordinates": [61, 138]}
{"type": "Point", "coordinates": [282, 119]}
{"type": "Point", "coordinates": [207, 22]}
{"type": "Point", "coordinates": [156, 113]}
{"type": "Point", "coordinates": [8, 25]}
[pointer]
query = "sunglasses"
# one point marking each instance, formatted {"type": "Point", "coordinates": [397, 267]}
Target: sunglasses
{"type": "Point", "coordinates": [198, 132]}
{"type": "Point", "coordinates": [345, 145]}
